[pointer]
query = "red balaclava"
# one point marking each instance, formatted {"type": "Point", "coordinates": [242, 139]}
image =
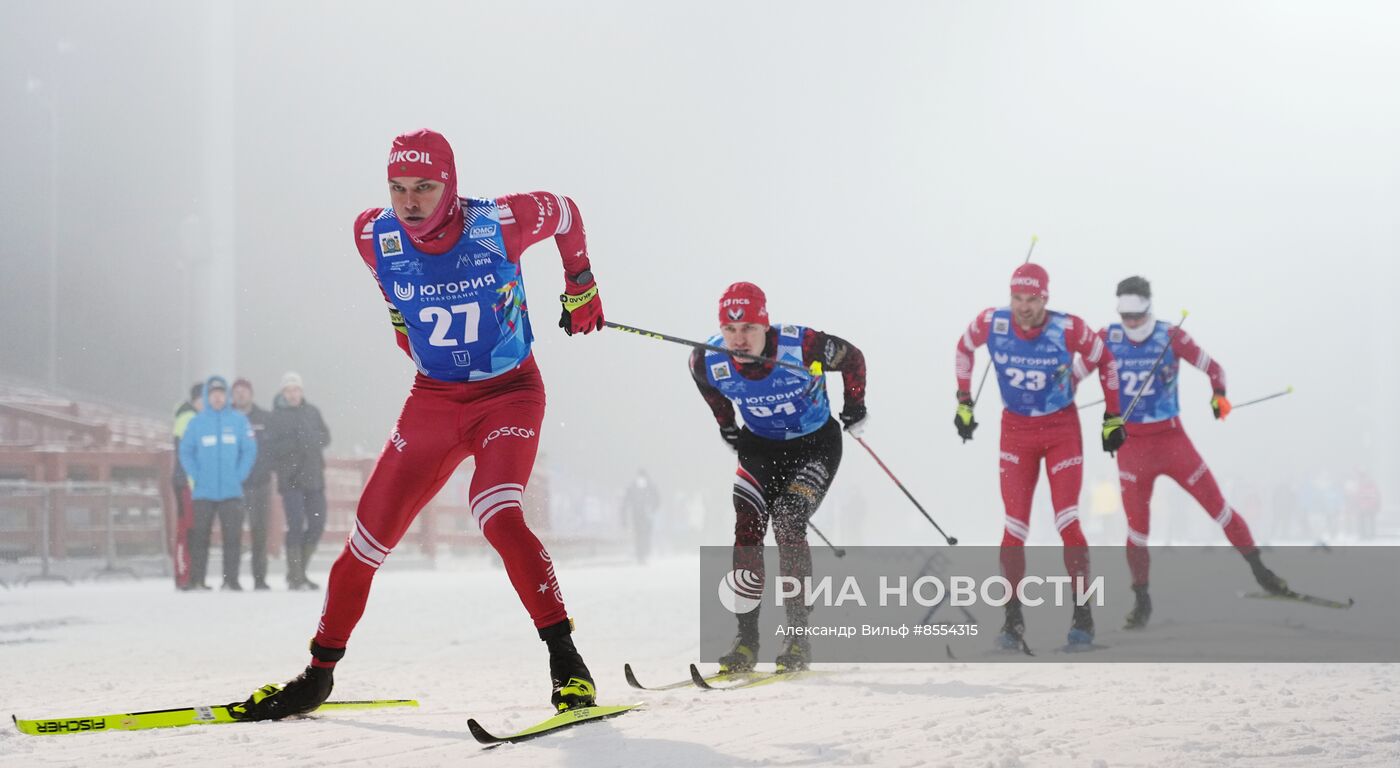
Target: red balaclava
{"type": "Point", "coordinates": [426, 154]}
{"type": "Point", "coordinates": [1032, 279]}
{"type": "Point", "coordinates": [743, 303]}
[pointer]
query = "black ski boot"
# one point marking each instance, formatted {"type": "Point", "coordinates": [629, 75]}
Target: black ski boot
{"type": "Point", "coordinates": [1081, 629]}
{"type": "Point", "coordinates": [742, 655]}
{"type": "Point", "coordinates": [1266, 578]}
{"type": "Point", "coordinates": [572, 682]}
{"type": "Point", "coordinates": [297, 696]}
{"type": "Point", "coordinates": [1142, 609]}
{"type": "Point", "coordinates": [796, 657]}
{"type": "Point", "coordinates": [1014, 629]}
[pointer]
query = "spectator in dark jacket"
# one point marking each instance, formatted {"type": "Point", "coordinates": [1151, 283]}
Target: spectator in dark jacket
{"type": "Point", "coordinates": [639, 504]}
{"type": "Point", "coordinates": [299, 436]}
{"type": "Point", "coordinates": [257, 489]}
{"type": "Point", "coordinates": [217, 452]}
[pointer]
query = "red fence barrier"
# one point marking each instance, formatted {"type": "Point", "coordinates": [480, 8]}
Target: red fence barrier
{"type": "Point", "coordinates": [118, 504]}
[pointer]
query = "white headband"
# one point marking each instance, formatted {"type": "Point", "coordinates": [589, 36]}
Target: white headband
{"type": "Point", "coordinates": [1131, 303]}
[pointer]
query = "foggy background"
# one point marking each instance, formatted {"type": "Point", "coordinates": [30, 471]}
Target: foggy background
{"type": "Point", "coordinates": [180, 181]}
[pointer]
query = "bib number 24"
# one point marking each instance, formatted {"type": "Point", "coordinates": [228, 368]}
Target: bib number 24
{"type": "Point", "coordinates": [763, 411]}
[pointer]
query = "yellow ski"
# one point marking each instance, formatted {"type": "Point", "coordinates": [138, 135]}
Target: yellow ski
{"type": "Point", "coordinates": [564, 719]}
{"type": "Point", "coordinates": [170, 718]}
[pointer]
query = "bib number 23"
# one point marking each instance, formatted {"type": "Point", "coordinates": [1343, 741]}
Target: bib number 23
{"type": "Point", "coordinates": [1032, 380]}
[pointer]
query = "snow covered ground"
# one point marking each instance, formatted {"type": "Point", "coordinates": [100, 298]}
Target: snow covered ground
{"type": "Point", "coordinates": [458, 640]}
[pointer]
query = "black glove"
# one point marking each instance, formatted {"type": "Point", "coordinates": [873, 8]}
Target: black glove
{"type": "Point", "coordinates": [1113, 432]}
{"type": "Point", "coordinates": [853, 418]}
{"type": "Point", "coordinates": [964, 420]}
{"type": "Point", "coordinates": [731, 435]}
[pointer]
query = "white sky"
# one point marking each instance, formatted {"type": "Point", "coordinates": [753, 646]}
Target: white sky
{"type": "Point", "coordinates": [878, 169]}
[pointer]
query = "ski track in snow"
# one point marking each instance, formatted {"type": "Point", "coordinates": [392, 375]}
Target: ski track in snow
{"type": "Point", "coordinates": [458, 640]}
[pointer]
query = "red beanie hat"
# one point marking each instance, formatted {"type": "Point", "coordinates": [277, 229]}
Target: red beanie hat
{"type": "Point", "coordinates": [1032, 279]}
{"type": "Point", "coordinates": [425, 154]}
{"type": "Point", "coordinates": [743, 303]}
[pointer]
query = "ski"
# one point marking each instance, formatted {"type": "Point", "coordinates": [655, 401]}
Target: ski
{"type": "Point", "coordinates": [1299, 597]}
{"type": "Point", "coordinates": [753, 679]}
{"type": "Point", "coordinates": [1081, 648]}
{"type": "Point", "coordinates": [715, 682]}
{"type": "Point", "coordinates": [170, 718]}
{"type": "Point", "coordinates": [566, 719]}
{"type": "Point", "coordinates": [686, 683]}
{"type": "Point", "coordinates": [1004, 647]}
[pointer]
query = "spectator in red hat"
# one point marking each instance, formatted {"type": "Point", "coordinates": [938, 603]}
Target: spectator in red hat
{"type": "Point", "coordinates": [1033, 350]}
{"type": "Point", "coordinates": [181, 486]}
{"type": "Point", "coordinates": [789, 446]}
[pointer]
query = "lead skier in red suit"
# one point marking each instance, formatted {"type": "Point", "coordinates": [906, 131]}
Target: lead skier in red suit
{"type": "Point", "coordinates": [449, 269]}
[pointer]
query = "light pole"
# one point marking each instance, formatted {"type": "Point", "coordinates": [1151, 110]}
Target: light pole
{"type": "Point", "coordinates": [35, 85]}
{"type": "Point", "coordinates": [53, 244]}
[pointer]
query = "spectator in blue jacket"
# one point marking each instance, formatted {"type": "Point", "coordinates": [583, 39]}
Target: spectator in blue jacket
{"type": "Point", "coordinates": [217, 451]}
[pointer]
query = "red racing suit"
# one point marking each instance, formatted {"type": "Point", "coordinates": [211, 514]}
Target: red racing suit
{"type": "Point", "coordinates": [1054, 438]}
{"type": "Point", "coordinates": [497, 420]}
{"type": "Point", "coordinates": [1162, 448]}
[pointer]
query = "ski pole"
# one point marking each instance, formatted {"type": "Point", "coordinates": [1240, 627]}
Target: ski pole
{"type": "Point", "coordinates": [950, 539]}
{"type": "Point", "coordinates": [1287, 391]}
{"type": "Point", "coordinates": [709, 347]}
{"type": "Point", "coordinates": [839, 552]}
{"type": "Point", "coordinates": [1152, 374]}
{"type": "Point", "coordinates": [978, 397]}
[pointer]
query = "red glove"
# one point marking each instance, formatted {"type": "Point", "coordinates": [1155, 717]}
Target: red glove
{"type": "Point", "coordinates": [1221, 405]}
{"type": "Point", "coordinates": [583, 309]}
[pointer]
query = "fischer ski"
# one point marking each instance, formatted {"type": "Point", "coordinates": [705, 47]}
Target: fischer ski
{"type": "Point", "coordinates": [565, 719]}
{"type": "Point", "coordinates": [170, 718]}
{"type": "Point", "coordinates": [1300, 597]}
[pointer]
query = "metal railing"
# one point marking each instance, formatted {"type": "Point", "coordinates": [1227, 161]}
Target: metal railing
{"type": "Point", "coordinates": [114, 521]}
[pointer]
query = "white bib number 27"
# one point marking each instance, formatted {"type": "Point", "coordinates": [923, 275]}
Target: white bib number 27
{"type": "Point", "coordinates": [441, 318]}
